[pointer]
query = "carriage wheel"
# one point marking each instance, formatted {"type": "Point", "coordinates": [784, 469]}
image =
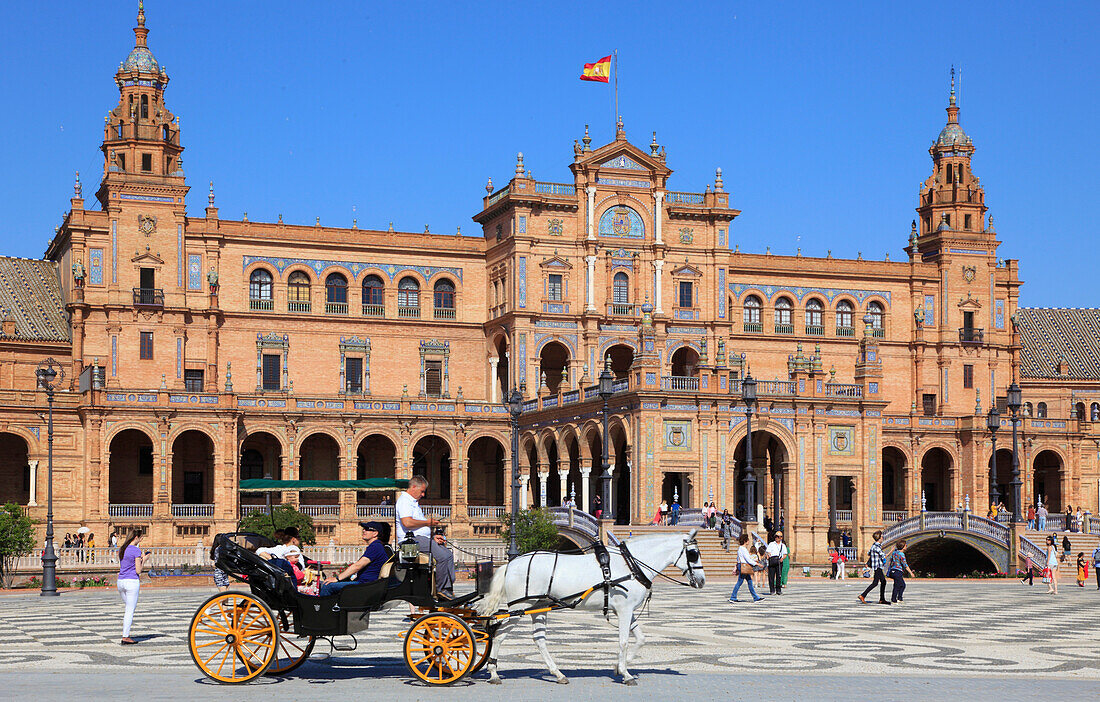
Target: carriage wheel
{"type": "Point", "coordinates": [233, 637]}
{"type": "Point", "coordinates": [291, 651]}
{"type": "Point", "coordinates": [483, 636]}
{"type": "Point", "coordinates": [440, 649]}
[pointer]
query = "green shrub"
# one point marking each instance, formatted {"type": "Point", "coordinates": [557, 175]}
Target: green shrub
{"type": "Point", "coordinates": [16, 539]}
{"type": "Point", "coordinates": [535, 530]}
{"type": "Point", "coordinates": [282, 516]}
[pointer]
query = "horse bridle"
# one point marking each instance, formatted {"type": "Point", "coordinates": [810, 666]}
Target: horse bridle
{"type": "Point", "coordinates": [691, 556]}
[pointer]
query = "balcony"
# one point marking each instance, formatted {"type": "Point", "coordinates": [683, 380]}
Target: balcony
{"type": "Point", "coordinates": [618, 310]}
{"type": "Point", "coordinates": [784, 329]}
{"type": "Point", "coordinates": [130, 511]}
{"type": "Point", "coordinates": [878, 332]}
{"type": "Point", "coordinates": [320, 510]}
{"type": "Point", "coordinates": [970, 335]}
{"type": "Point", "coordinates": [148, 297]}
{"type": "Point", "coordinates": [485, 511]}
{"type": "Point", "coordinates": [444, 313]}
{"type": "Point", "coordinates": [374, 310]}
{"type": "Point", "coordinates": [408, 312]}
{"type": "Point", "coordinates": [336, 308]}
{"type": "Point", "coordinates": [815, 330]}
{"type": "Point", "coordinates": [192, 511]}
{"type": "Point", "coordinates": [679, 382]}
{"type": "Point", "coordinates": [845, 331]}
{"type": "Point", "coordinates": [261, 305]}
{"type": "Point", "coordinates": [753, 327]}
{"type": "Point", "coordinates": [298, 306]}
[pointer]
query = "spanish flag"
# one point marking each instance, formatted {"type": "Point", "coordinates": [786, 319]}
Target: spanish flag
{"type": "Point", "coordinates": [599, 71]}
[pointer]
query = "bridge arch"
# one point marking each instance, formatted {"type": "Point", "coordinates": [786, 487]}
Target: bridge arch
{"type": "Point", "coordinates": [951, 553]}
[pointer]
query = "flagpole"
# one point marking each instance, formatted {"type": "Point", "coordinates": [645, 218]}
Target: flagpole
{"type": "Point", "coordinates": [616, 67]}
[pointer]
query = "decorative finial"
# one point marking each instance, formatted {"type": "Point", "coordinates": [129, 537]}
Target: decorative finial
{"type": "Point", "coordinates": [587, 140]}
{"type": "Point", "coordinates": [280, 218]}
{"type": "Point", "coordinates": [859, 255]}
{"type": "Point", "coordinates": [952, 84]}
{"type": "Point", "coordinates": [990, 228]}
{"type": "Point", "coordinates": [426, 229]}
{"type": "Point", "coordinates": [141, 13]}
{"type": "Point", "coordinates": [458, 232]}
{"type": "Point", "coordinates": [977, 402]}
{"type": "Point", "coordinates": [654, 147]}
{"type": "Point", "coordinates": [317, 223]}
{"type": "Point", "coordinates": [210, 197]}
{"type": "Point", "coordinates": [620, 133]}
{"type": "Point", "coordinates": [519, 165]}
{"type": "Point", "coordinates": [718, 180]}
{"type": "Point", "coordinates": [77, 188]}
{"type": "Point", "coordinates": [354, 222]}
{"type": "Point", "coordinates": [244, 217]}
{"type": "Point", "coordinates": [489, 187]}
{"type": "Point", "coordinates": [391, 228]}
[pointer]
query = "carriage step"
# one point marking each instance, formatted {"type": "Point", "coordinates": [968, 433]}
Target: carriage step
{"type": "Point", "coordinates": [343, 648]}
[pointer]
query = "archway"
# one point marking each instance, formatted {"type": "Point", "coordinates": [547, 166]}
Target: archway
{"type": "Point", "coordinates": [376, 457]}
{"type": "Point", "coordinates": [319, 459]}
{"type": "Point", "coordinates": [935, 480]}
{"type": "Point", "coordinates": [685, 362]}
{"type": "Point", "coordinates": [769, 457]}
{"type": "Point", "coordinates": [1004, 477]}
{"type": "Point", "coordinates": [261, 455]}
{"type": "Point", "coordinates": [530, 452]}
{"type": "Point", "coordinates": [432, 459]}
{"type": "Point", "coordinates": [895, 475]}
{"type": "Point", "coordinates": [553, 360]}
{"type": "Point", "coordinates": [947, 557]}
{"type": "Point", "coordinates": [1047, 480]}
{"type": "Point", "coordinates": [554, 496]}
{"type": "Point", "coordinates": [594, 441]}
{"type": "Point", "coordinates": [15, 471]}
{"type": "Point", "coordinates": [485, 472]}
{"type": "Point", "coordinates": [193, 469]}
{"type": "Point", "coordinates": [130, 469]}
{"type": "Point", "coordinates": [621, 473]}
{"type": "Point", "coordinates": [622, 358]}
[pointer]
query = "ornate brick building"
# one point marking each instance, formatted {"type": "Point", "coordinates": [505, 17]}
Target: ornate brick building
{"type": "Point", "coordinates": [203, 350]}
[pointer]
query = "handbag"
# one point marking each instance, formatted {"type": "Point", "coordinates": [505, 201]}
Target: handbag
{"type": "Point", "coordinates": [745, 569]}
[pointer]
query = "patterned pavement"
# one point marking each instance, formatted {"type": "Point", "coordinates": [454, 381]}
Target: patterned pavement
{"type": "Point", "coordinates": [997, 628]}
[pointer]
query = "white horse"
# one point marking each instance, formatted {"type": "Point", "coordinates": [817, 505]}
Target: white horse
{"type": "Point", "coordinates": [532, 579]}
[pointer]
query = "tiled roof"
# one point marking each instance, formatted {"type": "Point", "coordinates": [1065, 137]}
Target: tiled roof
{"type": "Point", "coordinates": [30, 293]}
{"type": "Point", "coordinates": [1053, 333]}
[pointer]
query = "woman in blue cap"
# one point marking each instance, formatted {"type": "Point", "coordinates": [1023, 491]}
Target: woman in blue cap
{"type": "Point", "coordinates": [364, 570]}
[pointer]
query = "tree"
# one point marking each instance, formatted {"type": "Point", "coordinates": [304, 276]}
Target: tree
{"type": "Point", "coordinates": [282, 516]}
{"type": "Point", "coordinates": [535, 530]}
{"type": "Point", "coordinates": [16, 539]}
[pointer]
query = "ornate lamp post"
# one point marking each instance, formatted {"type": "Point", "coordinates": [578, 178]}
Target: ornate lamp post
{"type": "Point", "coordinates": [748, 394]}
{"type": "Point", "coordinates": [50, 373]}
{"type": "Point", "coordinates": [607, 379]}
{"type": "Point", "coordinates": [993, 423]}
{"type": "Point", "coordinates": [515, 407]}
{"type": "Point", "coordinates": [1015, 401]}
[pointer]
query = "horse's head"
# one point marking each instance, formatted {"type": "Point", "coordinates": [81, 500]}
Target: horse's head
{"type": "Point", "coordinates": [690, 563]}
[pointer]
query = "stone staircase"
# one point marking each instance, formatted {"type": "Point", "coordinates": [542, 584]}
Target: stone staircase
{"type": "Point", "coordinates": [1067, 570]}
{"type": "Point", "coordinates": [716, 561]}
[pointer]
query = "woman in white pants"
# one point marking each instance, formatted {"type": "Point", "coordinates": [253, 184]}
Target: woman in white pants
{"type": "Point", "coordinates": [129, 574]}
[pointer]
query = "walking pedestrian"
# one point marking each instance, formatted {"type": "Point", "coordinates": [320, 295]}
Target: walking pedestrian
{"type": "Point", "coordinates": [1031, 516]}
{"type": "Point", "coordinates": [663, 509]}
{"type": "Point", "coordinates": [725, 530]}
{"type": "Point", "coordinates": [1065, 547]}
{"type": "Point", "coordinates": [1096, 564]}
{"type": "Point", "coordinates": [761, 567]}
{"type": "Point", "coordinates": [1082, 569]}
{"type": "Point", "coordinates": [746, 566]}
{"type": "Point", "coordinates": [875, 561]}
{"type": "Point", "coordinates": [1050, 573]}
{"type": "Point", "coordinates": [1029, 576]}
{"type": "Point", "coordinates": [221, 578]}
{"type": "Point", "coordinates": [1041, 517]}
{"type": "Point", "coordinates": [776, 552]}
{"type": "Point", "coordinates": [896, 568]}
{"type": "Point", "coordinates": [597, 507]}
{"type": "Point", "coordinates": [129, 573]}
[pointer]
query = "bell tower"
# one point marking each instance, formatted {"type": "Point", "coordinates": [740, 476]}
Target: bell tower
{"type": "Point", "coordinates": [952, 201]}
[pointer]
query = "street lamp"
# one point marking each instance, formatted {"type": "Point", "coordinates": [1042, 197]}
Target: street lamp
{"type": "Point", "coordinates": [607, 379]}
{"type": "Point", "coordinates": [1014, 403]}
{"type": "Point", "coordinates": [515, 407]}
{"type": "Point", "coordinates": [993, 423]}
{"type": "Point", "coordinates": [50, 373]}
{"type": "Point", "coordinates": [748, 394]}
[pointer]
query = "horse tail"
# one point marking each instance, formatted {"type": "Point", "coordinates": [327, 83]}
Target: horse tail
{"type": "Point", "coordinates": [492, 601]}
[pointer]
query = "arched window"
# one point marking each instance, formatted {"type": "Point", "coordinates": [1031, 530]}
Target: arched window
{"type": "Point", "coordinates": [844, 316]}
{"type": "Point", "coordinates": [336, 289]}
{"type": "Point", "coordinates": [259, 285]}
{"type": "Point", "coordinates": [876, 311]}
{"type": "Point", "coordinates": [814, 318]}
{"type": "Point", "coordinates": [1094, 412]}
{"type": "Point", "coordinates": [444, 294]}
{"type": "Point", "coordinates": [1041, 411]}
{"type": "Point", "coordinates": [374, 298]}
{"type": "Point", "coordinates": [1079, 411]}
{"type": "Point", "coordinates": [408, 297]}
{"type": "Point", "coordinates": [1029, 411]}
{"type": "Point", "coordinates": [751, 314]}
{"type": "Point", "coordinates": [620, 289]}
{"type": "Point", "coordinates": [297, 292]}
{"type": "Point", "coordinates": [783, 316]}
{"type": "Point", "coordinates": [145, 107]}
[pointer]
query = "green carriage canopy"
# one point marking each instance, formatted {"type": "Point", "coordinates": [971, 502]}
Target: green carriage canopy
{"type": "Point", "coordinates": [370, 484]}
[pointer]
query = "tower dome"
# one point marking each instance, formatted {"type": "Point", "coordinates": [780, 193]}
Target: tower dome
{"type": "Point", "coordinates": [953, 135]}
{"type": "Point", "coordinates": [141, 59]}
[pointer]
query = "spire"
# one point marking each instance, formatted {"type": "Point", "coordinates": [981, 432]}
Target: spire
{"type": "Point", "coordinates": [210, 197]}
{"type": "Point", "coordinates": [620, 132]}
{"type": "Point", "coordinates": [140, 32]}
{"type": "Point", "coordinates": [587, 140]}
{"type": "Point", "coordinates": [952, 107]}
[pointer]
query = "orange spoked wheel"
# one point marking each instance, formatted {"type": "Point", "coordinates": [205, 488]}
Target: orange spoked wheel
{"type": "Point", "coordinates": [291, 652]}
{"type": "Point", "coordinates": [440, 649]}
{"type": "Point", "coordinates": [233, 637]}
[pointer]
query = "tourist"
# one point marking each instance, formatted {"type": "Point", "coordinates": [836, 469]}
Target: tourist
{"type": "Point", "coordinates": [876, 559]}
{"type": "Point", "coordinates": [1050, 573]}
{"type": "Point", "coordinates": [896, 568]}
{"type": "Point", "coordinates": [785, 568]}
{"type": "Point", "coordinates": [1078, 521]}
{"type": "Point", "coordinates": [1029, 576]}
{"type": "Point", "coordinates": [221, 578]}
{"type": "Point", "coordinates": [663, 512]}
{"type": "Point", "coordinates": [1082, 569]}
{"type": "Point", "coordinates": [1096, 564]}
{"type": "Point", "coordinates": [67, 543]}
{"type": "Point", "coordinates": [597, 507]}
{"type": "Point", "coordinates": [776, 551]}
{"type": "Point", "coordinates": [834, 559]}
{"type": "Point", "coordinates": [1031, 516]}
{"type": "Point", "coordinates": [91, 547]}
{"type": "Point", "coordinates": [1066, 546]}
{"type": "Point", "coordinates": [746, 568]}
{"type": "Point", "coordinates": [759, 569]}
{"type": "Point", "coordinates": [1068, 525]}
{"type": "Point", "coordinates": [130, 561]}
{"type": "Point", "coordinates": [769, 525]}
{"type": "Point", "coordinates": [368, 568]}
{"type": "Point", "coordinates": [725, 530]}
{"type": "Point", "coordinates": [1041, 517]}
{"type": "Point", "coordinates": [674, 512]}
{"type": "Point", "coordinates": [992, 513]}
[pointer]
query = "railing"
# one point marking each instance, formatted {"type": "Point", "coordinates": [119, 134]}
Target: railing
{"type": "Point", "coordinates": [1094, 525]}
{"type": "Point", "coordinates": [843, 390]}
{"type": "Point", "coordinates": [408, 312]}
{"type": "Point", "coordinates": [106, 558]}
{"type": "Point", "coordinates": [577, 519]}
{"type": "Point", "coordinates": [971, 336]}
{"type": "Point", "coordinates": [148, 297]}
{"type": "Point", "coordinates": [192, 511]}
{"type": "Point", "coordinates": [815, 330]}
{"type": "Point", "coordinates": [498, 194]}
{"type": "Point", "coordinates": [679, 382]}
{"type": "Point", "coordinates": [591, 391]}
{"type": "Point", "coordinates": [374, 310]}
{"type": "Point", "coordinates": [320, 510]}
{"type": "Point", "coordinates": [845, 331]}
{"type": "Point", "coordinates": [532, 405]}
{"type": "Point", "coordinates": [555, 189]}
{"type": "Point", "coordinates": [485, 511]}
{"type": "Point", "coordinates": [1055, 522]}
{"type": "Point", "coordinates": [245, 510]}
{"type": "Point", "coordinates": [843, 515]}
{"type": "Point", "coordinates": [617, 310]}
{"type": "Point", "coordinates": [849, 552]}
{"type": "Point", "coordinates": [620, 385]}
{"type": "Point", "coordinates": [1030, 549]}
{"type": "Point", "coordinates": [130, 511]}
{"type": "Point", "coordinates": [263, 305]}
{"type": "Point", "coordinates": [878, 333]}
{"type": "Point", "coordinates": [889, 517]}
{"type": "Point", "coordinates": [784, 329]}
{"type": "Point", "coordinates": [690, 516]}
{"type": "Point", "coordinates": [336, 308]}
{"type": "Point", "coordinates": [298, 306]}
{"type": "Point", "coordinates": [902, 528]}
{"type": "Point", "coordinates": [943, 520]}
{"type": "Point", "coordinates": [444, 312]}
{"type": "Point", "coordinates": [987, 527]}
{"type": "Point", "coordinates": [570, 397]}
{"type": "Point", "coordinates": [441, 511]}
{"type": "Point", "coordinates": [680, 198]}
{"type": "Point", "coordinates": [753, 327]}
{"type": "Point", "coordinates": [384, 511]}
{"type": "Point", "coordinates": [550, 401]}
{"type": "Point", "coordinates": [775, 387]}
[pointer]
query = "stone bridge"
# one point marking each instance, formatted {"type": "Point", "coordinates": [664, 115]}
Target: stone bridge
{"type": "Point", "coordinates": [992, 539]}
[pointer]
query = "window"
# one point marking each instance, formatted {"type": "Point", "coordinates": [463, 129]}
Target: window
{"type": "Point", "coordinates": [686, 293]}
{"type": "Point", "coordinates": [408, 293]}
{"type": "Point", "coordinates": [929, 402]}
{"type": "Point", "coordinates": [500, 231]}
{"type": "Point", "coordinates": [192, 380]}
{"type": "Point", "coordinates": [844, 314]}
{"type": "Point", "coordinates": [968, 321]}
{"type": "Point", "coordinates": [444, 294]}
{"type": "Point", "coordinates": [968, 376]}
{"type": "Point", "coordinates": [950, 170]}
{"type": "Point", "coordinates": [259, 285]}
{"type": "Point", "coordinates": [553, 287]}
{"type": "Point", "coordinates": [752, 309]}
{"type": "Point", "coordinates": [121, 158]}
{"type": "Point", "coordinates": [147, 278]}
{"type": "Point", "coordinates": [1079, 411]}
{"type": "Point", "coordinates": [145, 107]}
{"type": "Point", "coordinates": [272, 371]}
{"type": "Point", "coordinates": [146, 346]}
{"type": "Point", "coordinates": [297, 290]}
{"type": "Point", "coordinates": [252, 464]}
{"type": "Point", "coordinates": [147, 162]}
{"type": "Point", "coordinates": [966, 221]}
{"type": "Point", "coordinates": [1041, 410]}
{"type": "Point", "coordinates": [783, 311]}
{"type": "Point", "coordinates": [620, 289]}
{"type": "Point", "coordinates": [373, 291]}
{"type": "Point", "coordinates": [145, 460]}
{"type": "Point", "coordinates": [336, 288]}
{"type": "Point", "coordinates": [433, 378]}
{"type": "Point", "coordinates": [1094, 412]}
{"type": "Point", "coordinates": [1029, 410]}
{"type": "Point", "coordinates": [814, 316]}
{"type": "Point", "coordinates": [876, 311]}
{"type": "Point", "coordinates": [353, 375]}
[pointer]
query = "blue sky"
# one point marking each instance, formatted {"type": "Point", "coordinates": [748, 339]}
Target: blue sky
{"type": "Point", "coordinates": [820, 114]}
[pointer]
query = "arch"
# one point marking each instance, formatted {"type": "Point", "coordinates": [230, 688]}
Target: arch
{"type": "Point", "coordinates": [261, 454]}
{"type": "Point", "coordinates": [621, 221]}
{"type": "Point", "coordinates": [877, 313]}
{"type": "Point", "coordinates": [1003, 475]}
{"type": "Point", "coordinates": [783, 308]}
{"type": "Point", "coordinates": [952, 554]}
{"type": "Point", "coordinates": [553, 363]}
{"type": "Point", "coordinates": [204, 429]}
{"type": "Point", "coordinates": [319, 459]}
{"type": "Point", "coordinates": [895, 479]}
{"type": "Point", "coordinates": [1041, 410]}
{"type": "Point", "coordinates": [1079, 411]}
{"type": "Point", "coordinates": [443, 294]}
{"type": "Point", "coordinates": [298, 284]}
{"type": "Point", "coordinates": [620, 288]}
{"type": "Point", "coordinates": [684, 362]}
{"type": "Point", "coordinates": [503, 377]}
{"type": "Point", "coordinates": [1048, 473]}
{"type": "Point", "coordinates": [374, 290]}
{"type": "Point", "coordinates": [431, 458]}
{"type": "Point", "coordinates": [815, 312]}
{"type": "Point", "coordinates": [15, 469]}
{"type": "Point", "coordinates": [772, 447]}
{"type": "Point", "coordinates": [336, 288]}
{"type": "Point", "coordinates": [130, 467]}
{"type": "Point", "coordinates": [935, 479]}
{"type": "Point", "coordinates": [375, 457]}
{"type": "Point", "coordinates": [408, 292]}
{"type": "Point", "coordinates": [751, 310]}
{"type": "Point", "coordinates": [193, 468]}
{"type": "Point", "coordinates": [260, 284]}
{"type": "Point", "coordinates": [845, 309]}
{"type": "Point", "coordinates": [622, 358]}
{"type": "Point", "coordinates": [486, 471]}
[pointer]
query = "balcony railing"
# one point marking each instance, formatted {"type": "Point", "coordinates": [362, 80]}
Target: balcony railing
{"type": "Point", "coordinates": [320, 510]}
{"type": "Point", "coordinates": [878, 332]}
{"type": "Point", "coordinates": [336, 308]}
{"type": "Point", "coordinates": [408, 312]}
{"type": "Point", "coordinates": [148, 297]}
{"type": "Point", "coordinates": [383, 511]}
{"type": "Point", "coordinates": [893, 517]}
{"type": "Point", "coordinates": [679, 382]}
{"type": "Point", "coordinates": [262, 305]}
{"type": "Point", "coordinates": [843, 515]}
{"type": "Point", "coordinates": [679, 198]}
{"type": "Point", "coordinates": [845, 331]}
{"type": "Point", "coordinates": [374, 310]}
{"type": "Point", "coordinates": [753, 327]}
{"type": "Point", "coordinates": [617, 310]}
{"type": "Point", "coordinates": [192, 511]}
{"type": "Point", "coordinates": [444, 313]}
{"type": "Point", "coordinates": [784, 329]}
{"type": "Point", "coordinates": [555, 189]}
{"type": "Point", "coordinates": [843, 390]}
{"type": "Point", "coordinates": [485, 512]}
{"type": "Point", "coordinates": [296, 306]}
{"type": "Point", "coordinates": [815, 330]}
{"type": "Point", "coordinates": [969, 335]}
{"type": "Point", "coordinates": [130, 511]}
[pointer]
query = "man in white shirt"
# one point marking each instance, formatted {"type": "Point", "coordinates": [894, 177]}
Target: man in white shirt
{"type": "Point", "coordinates": [777, 551]}
{"type": "Point", "coordinates": [410, 518]}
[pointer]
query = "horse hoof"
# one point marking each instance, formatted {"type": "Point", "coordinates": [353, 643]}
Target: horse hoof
{"type": "Point", "coordinates": [630, 682]}
{"type": "Point", "coordinates": [494, 681]}
{"type": "Point", "coordinates": [562, 681]}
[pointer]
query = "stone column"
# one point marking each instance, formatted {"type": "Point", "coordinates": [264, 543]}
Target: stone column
{"type": "Point", "coordinates": [586, 473]}
{"type": "Point", "coordinates": [658, 211]}
{"type": "Point", "coordinates": [493, 361]}
{"type": "Point", "coordinates": [658, 265]}
{"type": "Point", "coordinates": [524, 480]}
{"type": "Point", "coordinates": [591, 212]}
{"type": "Point", "coordinates": [590, 289]}
{"type": "Point", "coordinates": [564, 478]}
{"type": "Point", "coordinates": [32, 499]}
{"type": "Point", "coordinates": [543, 477]}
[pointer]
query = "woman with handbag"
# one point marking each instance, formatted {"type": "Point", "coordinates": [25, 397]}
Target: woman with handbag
{"type": "Point", "coordinates": [1050, 573]}
{"type": "Point", "coordinates": [746, 563]}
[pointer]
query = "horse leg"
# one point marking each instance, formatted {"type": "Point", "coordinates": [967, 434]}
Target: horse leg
{"type": "Point", "coordinates": [626, 622]}
{"type": "Point", "coordinates": [538, 625]}
{"type": "Point", "coordinates": [639, 640]}
{"type": "Point", "coordinates": [494, 649]}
